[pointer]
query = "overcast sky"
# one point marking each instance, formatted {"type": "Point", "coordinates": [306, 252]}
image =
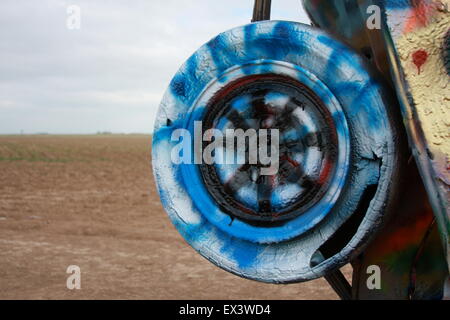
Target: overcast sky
{"type": "Point", "coordinates": [110, 74]}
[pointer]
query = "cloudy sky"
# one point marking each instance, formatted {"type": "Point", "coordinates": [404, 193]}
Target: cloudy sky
{"type": "Point", "coordinates": [110, 74]}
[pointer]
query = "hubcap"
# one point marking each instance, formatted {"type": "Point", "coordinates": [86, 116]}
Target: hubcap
{"type": "Point", "coordinates": [308, 148]}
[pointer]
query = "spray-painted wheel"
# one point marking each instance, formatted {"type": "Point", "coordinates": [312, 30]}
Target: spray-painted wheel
{"type": "Point", "coordinates": [337, 147]}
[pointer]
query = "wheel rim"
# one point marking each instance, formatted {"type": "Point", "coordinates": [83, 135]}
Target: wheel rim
{"type": "Point", "coordinates": [341, 79]}
{"type": "Point", "coordinates": [307, 150]}
{"type": "Point", "coordinates": [325, 171]}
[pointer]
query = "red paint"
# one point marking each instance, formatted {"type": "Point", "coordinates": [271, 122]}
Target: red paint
{"type": "Point", "coordinates": [290, 160]}
{"type": "Point", "coordinates": [404, 235]}
{"type": "Point", "coordinates": [420, 14]}
{"type": "Point", "coordinates": [420, 58]}
{"type": "Point", "coordinates": [326, 171]}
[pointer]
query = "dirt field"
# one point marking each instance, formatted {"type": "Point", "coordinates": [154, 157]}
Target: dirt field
{"type": "Point", "coordinates": [91, 201]}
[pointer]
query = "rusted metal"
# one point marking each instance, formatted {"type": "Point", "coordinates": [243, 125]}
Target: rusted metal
{"type": "Point", "coordinates": [261, 10]}
{"type": "Point", "coordinates": [410, 50]}
{"type": "Point", "coordinates": [401, 75]}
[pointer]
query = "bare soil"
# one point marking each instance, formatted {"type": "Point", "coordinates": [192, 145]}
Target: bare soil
{"type": "Point", "coordinates": [91, 201]}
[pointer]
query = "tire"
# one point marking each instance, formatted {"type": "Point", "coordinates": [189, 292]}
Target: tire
{"type": "Point", "coordinates": [308, 232]}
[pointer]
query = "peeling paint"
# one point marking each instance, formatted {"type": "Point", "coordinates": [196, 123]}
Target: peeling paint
{"type": "Point", "coordinates": [278, 254]}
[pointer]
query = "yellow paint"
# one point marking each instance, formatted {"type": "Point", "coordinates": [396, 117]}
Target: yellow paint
{"type": "Point", "coordinates": [430, 88]}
